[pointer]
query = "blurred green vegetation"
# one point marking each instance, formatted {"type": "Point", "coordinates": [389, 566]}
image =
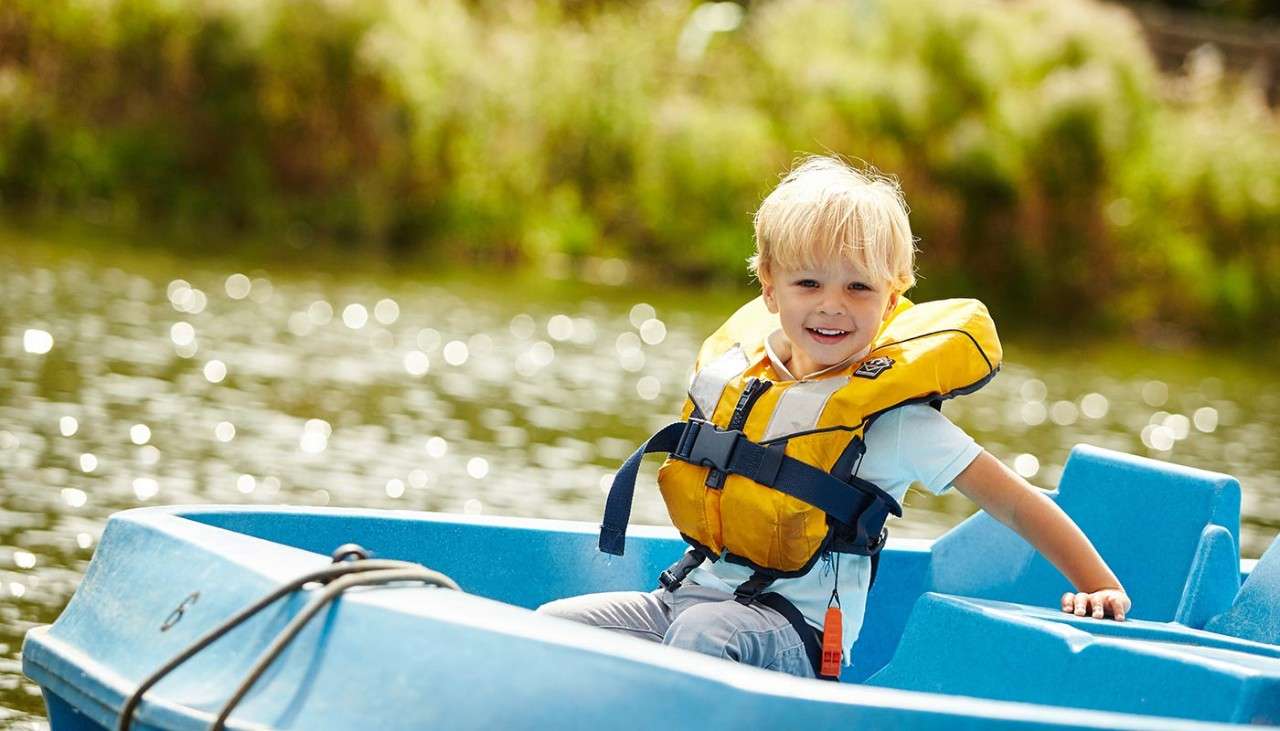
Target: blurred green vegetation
{"type": "Point", "coordinates": [1050, 169]}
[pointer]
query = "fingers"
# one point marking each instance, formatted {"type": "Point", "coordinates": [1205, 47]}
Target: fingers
{"type": "Point", "coordinates": [1119, 605]}
{"type": "Point", "coordinates": [1076, 604]}
{"type": "Point", "coordinates": [1098, 605]}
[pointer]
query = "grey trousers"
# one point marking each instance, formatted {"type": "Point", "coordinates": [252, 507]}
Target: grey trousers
{"type": "Point", "coordinates": [694, 618]}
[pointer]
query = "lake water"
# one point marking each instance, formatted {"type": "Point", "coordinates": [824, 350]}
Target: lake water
{"type": "Point", "coordinates": [131, 379]}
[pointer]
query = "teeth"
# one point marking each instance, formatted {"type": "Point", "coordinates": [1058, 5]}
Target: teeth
{"type": "Point", "coordinates": [822, 331]}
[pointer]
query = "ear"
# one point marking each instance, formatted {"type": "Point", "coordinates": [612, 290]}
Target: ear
{"type": "Point", "coordinates": [766, 291]}
{"type": "Point", "coordinates": [890, 307]}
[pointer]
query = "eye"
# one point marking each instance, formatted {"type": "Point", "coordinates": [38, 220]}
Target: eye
{"type": "Point", "coordinates": [859, 287]}
{"type": "Point", "coordinates": [807, 283]}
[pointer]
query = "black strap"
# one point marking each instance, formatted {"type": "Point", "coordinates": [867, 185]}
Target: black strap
{"type": "Point", "coordinates": [857, 503]}
{"type": "Point", "coordinates": [617, 507]}
{"type": "Point", "coordinates": [751, 589]}
{"type": "Point", "coordinates": [811, 637]}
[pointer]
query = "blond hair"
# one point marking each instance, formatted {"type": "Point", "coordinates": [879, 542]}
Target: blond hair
{"type": "Point", "coordinates": [825, 208]}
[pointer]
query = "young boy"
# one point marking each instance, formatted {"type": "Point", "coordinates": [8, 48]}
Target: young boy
{"type": "Point", "coordinates": [834, 254]}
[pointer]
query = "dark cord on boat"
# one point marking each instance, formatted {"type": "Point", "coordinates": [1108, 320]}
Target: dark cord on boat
{"type": "Point", "coordinates": [336, 578]}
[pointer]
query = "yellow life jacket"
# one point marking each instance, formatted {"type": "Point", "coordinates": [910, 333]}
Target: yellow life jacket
{"type": "Point", "coordinates": [762, 471]}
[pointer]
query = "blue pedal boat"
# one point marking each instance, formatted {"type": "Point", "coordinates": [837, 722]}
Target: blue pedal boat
{"type": "Point", "coordinates": [961, 632]}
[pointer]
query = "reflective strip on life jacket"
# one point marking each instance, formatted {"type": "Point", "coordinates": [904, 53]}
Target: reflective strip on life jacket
{"type": "Point", "coordinates": [800, 406]}
{"type": "Point", "coordinates": [709, 383]}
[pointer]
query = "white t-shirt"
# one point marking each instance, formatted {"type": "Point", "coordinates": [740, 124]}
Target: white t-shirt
{"type": "Point", "coordinates": [913, 443]}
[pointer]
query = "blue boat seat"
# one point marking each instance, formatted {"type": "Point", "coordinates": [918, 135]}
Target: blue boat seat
{"type": "Point", "coordinates": [1251, 625]}
{"type": "Point", "coordinates": [998, 650]}
{"type": "Point", "coordinates": [1157, 525]}
{"type": "Point", "coordinates": [1169, 532]}
{"type": "Point", "coordinates": [1255, 613]}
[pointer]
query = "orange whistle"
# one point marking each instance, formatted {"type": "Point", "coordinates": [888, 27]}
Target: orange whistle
{"type": "Point", "coordinates": [832, 627]}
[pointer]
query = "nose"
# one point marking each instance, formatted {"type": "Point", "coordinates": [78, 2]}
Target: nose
{"type": "Point", "coordinates": [831, 304]}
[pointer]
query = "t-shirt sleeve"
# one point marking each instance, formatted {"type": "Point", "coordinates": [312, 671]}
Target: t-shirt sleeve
{"type": "Point", "coordinates": [930, 449]}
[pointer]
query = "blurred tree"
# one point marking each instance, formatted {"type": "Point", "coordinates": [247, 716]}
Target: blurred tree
{"type": "Point", "coordinates": [1051, 169]}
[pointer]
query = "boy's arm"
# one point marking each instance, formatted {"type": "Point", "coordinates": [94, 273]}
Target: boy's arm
{"type": "Point", "coordinates": [1027, 510]}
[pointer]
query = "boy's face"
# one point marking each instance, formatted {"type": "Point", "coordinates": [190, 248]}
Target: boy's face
{"type": "Point", "coordinates": [830, 313]}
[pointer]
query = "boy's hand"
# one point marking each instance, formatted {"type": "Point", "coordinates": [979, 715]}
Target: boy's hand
{"type": "Point", "coordinates": [1101, 603]}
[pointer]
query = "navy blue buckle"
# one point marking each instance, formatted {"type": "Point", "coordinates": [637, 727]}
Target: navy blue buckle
{"type": "Point", "coordinates": [710, 447]}
{"type": "Point", "coordinates": [879, 542]}
{"type": "Point", "coordinates": [669, 581]}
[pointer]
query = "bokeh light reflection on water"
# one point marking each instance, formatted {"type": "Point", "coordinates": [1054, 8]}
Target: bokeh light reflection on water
{"type": "Point", "coordinates": [119, 390]}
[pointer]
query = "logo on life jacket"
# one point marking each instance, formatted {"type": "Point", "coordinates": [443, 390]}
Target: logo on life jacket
{"type": "Point", "coordinates": [874, 367]}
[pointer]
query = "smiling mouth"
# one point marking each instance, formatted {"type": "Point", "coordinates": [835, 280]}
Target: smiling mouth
{"type": "Point", "coordinates": [826, 335]}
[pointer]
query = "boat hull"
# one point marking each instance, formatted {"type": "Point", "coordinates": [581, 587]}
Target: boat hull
{"type": "Point", "coordinates": [414, 657]}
